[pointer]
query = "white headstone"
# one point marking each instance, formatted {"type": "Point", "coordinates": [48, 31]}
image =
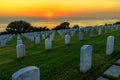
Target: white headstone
{"type": "Point", "coordinates": [99, 31]}
{"type": "Point", "coordinates": [3, 43]}
{"type": "Point", "coordinates": [48, 44]}
{"type": "Point", "coordinates": [20, 50]}
{"type": "Point", "coordinates": [43, 36]}
{"type": "Point", "coordinates": [116, 27]}
{"type": "Point", "coordinates": [32, 38]}
{"type": "Point", "coordinates": [27, 73]}
{"type": "Point", "coordinates": [110, 45]}
{"type": "Point", "coordinates": [85, 58]}
{"type": "Point", "coordinates": [19, 41]}
{"type": "Point", "coordinates": [52, 36]}
{"type": "Point", "coordinates": [106, 29]}
{"type": "Point", "coordinates": [91, 33]}
{"type": "Point", "coordinates": [37, 40]}
{"type": "Point", "coordinates": [80, 35]}
{"type": "Point", "coordinates": [67, 39]}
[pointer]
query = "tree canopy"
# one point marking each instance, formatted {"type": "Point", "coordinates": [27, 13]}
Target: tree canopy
{"type": "Point", "coordinates": [116, 23]}
{"type": "Point", "coordinates": [64, 25]}
{"type": "Point", "coordinates": [18, 27]}
{"type": "Point", "coordinates": [23, 26]}
{"type": "Point", "coordinates": [76, 26]}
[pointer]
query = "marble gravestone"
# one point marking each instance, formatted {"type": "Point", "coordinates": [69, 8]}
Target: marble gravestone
{"type": "Point", "coordinates": [20, 49]}
{"type": "Point", "coordinates": [19, 42]}
{"type": "Point", "coordinates": [106, 29]}
{"type": "Point", "coordinates": [85, 58]}
{"type": "Point", "coordinates": [27, 73]}
{"type": "Point", "coordinates": [52, 36]}
{"type": "Point", "coordinates": [43, 36]}
{"type": "Point", "coordinates": [99, 31]}
{"type": "Point", "coordinates": [32, 38]}
{"type": "Point", "coordinates": [37, 40]}
{"type": "Point", "coordinates": [110, 45]}
{"type": "Point", "coordinates": [81, 35]}
{"type": "Point", "coordinates": [116, 27]}
{"type": "Point", "coordinates": [3, 43]}
{"type": "Point", "coordinates": [67, 39]}
{"type": "Point", "coordinates": [91, 33]}
{"type": "Point", "coordinates": [48, 44]}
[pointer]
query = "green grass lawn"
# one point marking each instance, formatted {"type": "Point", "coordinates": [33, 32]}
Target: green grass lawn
{"type": "Point", "coordinates": [63, 61]}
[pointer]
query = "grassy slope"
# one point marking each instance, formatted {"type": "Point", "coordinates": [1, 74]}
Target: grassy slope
{"type": "Point", "coordinates": [62, 62]}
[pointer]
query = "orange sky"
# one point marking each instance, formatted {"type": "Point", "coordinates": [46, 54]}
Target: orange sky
{"type": "Point", "coordinates": [58, 8]}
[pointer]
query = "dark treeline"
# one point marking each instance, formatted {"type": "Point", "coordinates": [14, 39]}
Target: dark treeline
{"type": "Point", "coordinates": [23, 26]}
{"type": "Point", "coordinates": [16, 27]}
{"type": "Point", "coordinates": [64, 25]}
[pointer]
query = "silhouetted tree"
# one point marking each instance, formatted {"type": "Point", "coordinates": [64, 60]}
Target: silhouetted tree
{"type": "Point", "coordinates": [18, 27]}
{"type": "Point", "coordinates": [64, 25]}
{"type": "Point", "coordinates": [117, 23]}
{"type": "Point", "coordinates": [76, 26]}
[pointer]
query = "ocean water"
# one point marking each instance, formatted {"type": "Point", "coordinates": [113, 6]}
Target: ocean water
{"type": "Point", "coordinates": [52, 24]}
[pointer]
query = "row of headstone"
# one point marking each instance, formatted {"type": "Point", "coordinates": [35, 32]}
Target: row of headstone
{"type": "Point", "coordinates": [48, 40]}
{"type": "Point", "coordinates": [38, 36]}
{"type": "Point", "coordinates": [5, 36]}
{"type": "Point", "coordinates": [99, 29]}
{"type": "Point", "coordinates": [72, 31]}
{"type": "Point", "coordinates": [52, 35]}
{"type": "Point", "coordinates": [4, 39]}
{"type": "Point", "coordinates": [111, 28]}
{"type": "Point", "coordinates": [20, 48]}
{"type": "Point", "coordinates": [63, 32]}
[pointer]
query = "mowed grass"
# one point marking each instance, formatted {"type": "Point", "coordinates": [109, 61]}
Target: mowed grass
{"type": "Point", "coordinates": [63, 61]}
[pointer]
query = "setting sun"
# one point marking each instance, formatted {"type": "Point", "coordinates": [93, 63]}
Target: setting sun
{"type": "Point", "coordinates": [49, 15]}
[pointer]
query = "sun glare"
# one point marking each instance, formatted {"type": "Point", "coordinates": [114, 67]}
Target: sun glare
{"type": "Point", "coordinates": [49, 15]}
